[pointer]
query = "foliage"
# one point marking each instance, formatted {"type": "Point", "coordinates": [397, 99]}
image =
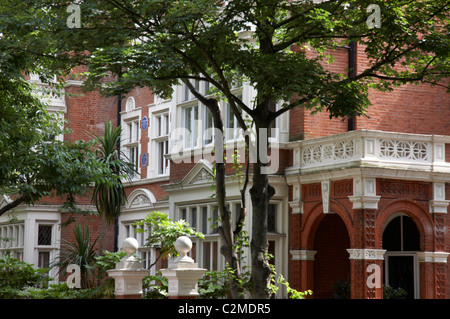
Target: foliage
{"type": "Point", "coordinates": [33, 164]}
{"type": "Point", "coordinates": [164, 232]}
{"type": "Point", "coordinates": [214, 285]}
{"type": "Point", "coordinates": [394, 293]}
{"type": "Point", "coordinates": [104, 262]}
{"type": "Point", "coordinates": [55, 291]}
{"type": "Point", "coordinates": [16, 275]}
{"type": "Point", "coordinates": [110, 197]}
{"type": "Point", "coordinates": [155, 287]}
{"type": "Point", "coordinates": [293, 293]}
{"type": "Point", "coordinates": [82, 252]}
{"type": "Point", "coordinates": [280, 47]}
{"type": "Point", "coordinates": [341, 289]}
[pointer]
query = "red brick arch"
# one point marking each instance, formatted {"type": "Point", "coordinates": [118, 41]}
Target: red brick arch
{"type": "Point", "coordinates": [421, 218]}
{"type": "Point", "coordinates": [315, 216]}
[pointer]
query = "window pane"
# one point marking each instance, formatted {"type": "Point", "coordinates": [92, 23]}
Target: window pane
{"type": "Point", "coordinates": [159, 125]}
{"type": "Point", "coordinates": [44, 259]}
{"type": "Point", "coordinates": [188, 125]}
{"type": "Point", "coordinates": [194, 217]}
{"type": "Point", "coordinates": [204, 220]}
{"type": "Point", "coordinates": [186, 93]}
{"type": "Point", "coordinates": [161, 158]}
{"type": "Point", "coordinates": [130, 132]}
{"type": "Point", "coordinates": [272, 218]}
{"type": "Point", "coordinates": [45, 235]}
{"type": "Point", "coordinates": [215, 220]}
{"type": "Point", "coordinates": [209, 132]}
{"type": "Point", "coordinates": [411, 236]}
{"type": "Point", "coordinates": [194, 132]}
{"type": "Point", "coordinates": [166, 151]}
{"type": "Point", "coordinates": [392, 236]}
{"type": "Point", "coordinates": [207, 255]}
{"type": "Point", "coordinates": [166, 118]}
{"type": "Point", "coordinates": [214, 255]}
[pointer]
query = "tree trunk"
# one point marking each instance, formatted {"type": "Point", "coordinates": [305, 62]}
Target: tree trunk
{"type": "Point", "coordinates": [102, 232]}
{"type": "Point", "coordinates": [261, 192]}
{"type": "Point", "coordinates": [228, 249]}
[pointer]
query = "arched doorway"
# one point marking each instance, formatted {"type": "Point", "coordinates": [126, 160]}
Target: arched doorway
{"type": "Point", "coordinates": [401, 239]}
{"type": "Point", "coordinates": [331, 265]}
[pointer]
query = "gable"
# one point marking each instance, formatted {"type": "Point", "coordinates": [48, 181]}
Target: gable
{"type": "Point", "coordinates": [201, 173]}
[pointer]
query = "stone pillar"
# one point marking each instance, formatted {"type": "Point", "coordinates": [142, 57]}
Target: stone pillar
{"type": "Point", "coordinates": [183, 273]}
{"type": "Point", "coordinates": [366, 260]}
{"type": "Point", "coordinates": [128, 273]}
{"type": "Point", "coordinates": [305, 261]}
{"type": "Point", "coordinates": [366, 272]}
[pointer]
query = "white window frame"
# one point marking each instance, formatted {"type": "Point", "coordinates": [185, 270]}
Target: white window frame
{"type": "Point", "coordinates": [160, 138]}
{"type": "Point", "coordinates": [191, 141]}
{"type": "Point", "coordinates": [52, 249]}
{"type": "Point", "coordinates": [131, 133]}
{"type": "Point", "coordinates": [12, 239]}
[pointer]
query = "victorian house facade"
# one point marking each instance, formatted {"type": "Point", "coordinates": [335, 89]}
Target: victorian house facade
{"type": "Point", "coordinates": [360, 201]}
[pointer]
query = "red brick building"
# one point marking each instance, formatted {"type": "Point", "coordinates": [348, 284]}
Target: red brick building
{"type": "Point", "coordinates": [362, 202]}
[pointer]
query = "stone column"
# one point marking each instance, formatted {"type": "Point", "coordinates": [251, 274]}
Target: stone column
{"type": "Point", "coordinates": [305, 261]}
{"type": "Point", "coordinates": [128, 273]}
{"type": "Point", "coordinates": [365, 259]}
{"type": "Point", "coordinates": [183, 273]}
{"type": "Point", "coordinates": [366, 270]}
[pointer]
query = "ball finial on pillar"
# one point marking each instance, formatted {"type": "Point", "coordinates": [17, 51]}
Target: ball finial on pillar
{"type": "Point", "coordinates": [183, 245]}
{"type": "Point", "coordinates": [130, 246]}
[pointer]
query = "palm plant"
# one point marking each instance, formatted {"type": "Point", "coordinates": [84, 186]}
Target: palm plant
{"type": "Point", "coordinates": [80, 252]}
{"type": "Point", "coordinates": [109, 196]}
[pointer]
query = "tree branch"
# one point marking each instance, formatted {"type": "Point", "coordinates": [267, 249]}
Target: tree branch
{"type": "Point", "coordinates": [14, 204]}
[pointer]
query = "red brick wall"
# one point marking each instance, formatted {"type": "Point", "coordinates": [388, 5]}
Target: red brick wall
{"type": "Point", "coordinates": [411, 108]}
{"type": "Point", "coordinates": [94, 225]}
{"type": "Point", "coordinates": [331, 260]}
{"type": "Point", "coordinates": [87, 113]}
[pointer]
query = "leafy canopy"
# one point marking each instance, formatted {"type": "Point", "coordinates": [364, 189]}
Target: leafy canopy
{"type": "Point", "coordinates": [267, 43]}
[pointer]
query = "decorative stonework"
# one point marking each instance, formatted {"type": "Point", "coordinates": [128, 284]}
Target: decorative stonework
{"type": "Point", "coordinates": [183, 273]}
{"type": "Point", "coordinates": [328, 153]}
{"type": "Point", "coordinates": [326, 196]}
{"type": "Point", "coordinates": [364, 193]}
{"type": "Point", "coordinates": [312, 191]}
{"type": "Point", "coordinates": [394, 189]}
{"type": "Point", "coordinates": [439, 232]}
{"type": "Point", "coordinates": [303, 254]}
{"type": "Point", "coordinates": [139, 201]}
{"type": "Point", "coordinates": [201, 177]}
{"type": "Point", "coordinates": [342, 188]}
{"type": "Point", "coordinates": [404, 150]}
{"type": "Point", "coordinates": [432, 257]}
{"type": "Point", "coordinates": [439, 204]}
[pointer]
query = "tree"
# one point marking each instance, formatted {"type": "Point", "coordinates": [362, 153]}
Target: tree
{"type": "Point", "coordinates": [163, 232]}
{"type": "Point", "coordinates": [110, 197]}
{"type": "Point", "coordinates": [160, 43]}
{"type": "Point", "coordinates": [33, 163]}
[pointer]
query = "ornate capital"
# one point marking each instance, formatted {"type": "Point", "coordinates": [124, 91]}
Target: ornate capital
{"type": "Point", "coordinates": [433, 257]}
{"type": "Point", "coordinates": [364, 201]}
{"type": "Point", "coordinates": [366, 254]}
{"type": "Point", "coordinates": [303, 254]}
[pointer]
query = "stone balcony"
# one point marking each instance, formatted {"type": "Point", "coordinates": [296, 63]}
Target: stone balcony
{"type": "Point", "coordinates": [371, 149]}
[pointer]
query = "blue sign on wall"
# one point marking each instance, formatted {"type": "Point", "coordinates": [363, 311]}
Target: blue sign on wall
{"type": "Point", "coordinates": [144, 160]}
{"type": "Point", "coordinates": [144, 123]}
